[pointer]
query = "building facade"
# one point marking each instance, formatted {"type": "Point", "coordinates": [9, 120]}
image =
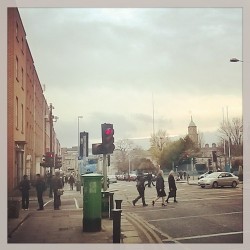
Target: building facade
{"type": "Point", "coordinates": [28, 129]}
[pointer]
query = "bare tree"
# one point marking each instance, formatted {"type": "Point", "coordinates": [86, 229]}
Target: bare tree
{"type": "Point", "coordinates": [232, 135]}
{"type": "Point", "coordinates": [232, 131]}
{"type": "Point", "coordinates": [121, 154]}
{"type": "Point", "coordinates": [158, 141]}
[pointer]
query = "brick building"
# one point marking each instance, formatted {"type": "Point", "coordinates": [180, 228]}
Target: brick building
{"type": "Point", "coordinates": [27, 108]}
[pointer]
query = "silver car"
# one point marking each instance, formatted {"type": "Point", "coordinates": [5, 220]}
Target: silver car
{"type": "Point", "coordinates": [219, 179]}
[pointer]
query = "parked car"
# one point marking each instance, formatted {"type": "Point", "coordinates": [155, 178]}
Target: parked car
{"type": "Point", "coordinates": [112, 179]}
{"type": "Point", "coordinates": [205, 174]}
{"type": "Point", "coordinates": [219, 179]}
{"type": "Point", "coordinates": [132, 177]}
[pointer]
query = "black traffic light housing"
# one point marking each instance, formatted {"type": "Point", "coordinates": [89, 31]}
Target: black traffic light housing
{"type": "Point", "coordinates": [214, 156]}
{"type": "Point", "coordinates": [97, 149]}
{"type": "Point", "coordinates": [107, 138]}
{"type": "Point", "coordinates": [49, 159]}
{"type": "Point", "coordinates": [209, 162]}
{"type": "Point", "coordinates": [194, 160]}
{"type": "Point", "coordinates": [58, 161]}
{"type": "Point", "coordinates": [84, 144]}
{"type": "Point", "coordinates": [43, 163]}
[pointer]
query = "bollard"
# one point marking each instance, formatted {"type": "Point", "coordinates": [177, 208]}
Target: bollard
{"type": "Point", "coordinates": [105, 204]}
{"type": "Point", "coordinates": [118, 204]}
{"type": "Point", "coordinates": [111, 204]}
{"type": "Point", "coordinates": [116, 225]}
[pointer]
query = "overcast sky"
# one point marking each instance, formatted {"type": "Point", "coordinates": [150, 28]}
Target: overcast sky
{"type": "Point", "coordinates": [116, 65]}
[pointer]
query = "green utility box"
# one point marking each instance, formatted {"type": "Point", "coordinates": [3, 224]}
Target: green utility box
{"type": "Point", "coordinates": [105, 204]}
{"type": "Point", "coordinates": [92, 202]}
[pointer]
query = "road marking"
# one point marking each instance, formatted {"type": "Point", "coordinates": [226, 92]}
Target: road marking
{"type": "Point", "coordinates": [76, 203]}
{"type": "Point", "coordinates": [145, 227]}
{"type": "Point", "coordinates": [196, 216]}
{"type": "Point", "coordinates": [203, 236]}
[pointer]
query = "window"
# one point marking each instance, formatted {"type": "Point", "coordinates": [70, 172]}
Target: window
{"type": "Point", "coordinates": [16, 114]}
{"type": "Point", "coordinates": [17, 68]}
{"type": "Point", "coordinates": [22, 120]}
{"type": "Point", "coordinates": [17, 30]}
{"type": "Point", "coordinates": [22, 77]}
{"type": "Point", "coordinates": [22, 44]}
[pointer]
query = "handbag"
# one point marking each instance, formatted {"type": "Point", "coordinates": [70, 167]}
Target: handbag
{"type": "Point", "coordinates": [172, 193]}
{"type": "Point", "coordinates": [60, 191]}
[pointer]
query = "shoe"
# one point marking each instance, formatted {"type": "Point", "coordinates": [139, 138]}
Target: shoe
{"type": "Point", "coordinates": [153, 203]}
{"type": "Point", "coordinates": [175, 201]}
{"type": "Point", "coordinates": [145, 205]}
{"type": "Point", "coordinates": [133, 203]}
{"type": "Point", "coordinates": [26, 209]}
{"type": "Point", "coordinates": [166, 201]}
{"type": "Point", "coordinates": [39, 209]}
{"type": "Point", "coordinates": [163, 205]}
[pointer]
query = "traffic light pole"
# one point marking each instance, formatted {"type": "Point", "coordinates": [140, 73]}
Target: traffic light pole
{"type": "Point", "coordinates": [51, 146]}
{"type": "Point", "coordinates": [104, 170]}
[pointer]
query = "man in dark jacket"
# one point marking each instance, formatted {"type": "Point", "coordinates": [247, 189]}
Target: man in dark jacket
{"type": "Point", "coordinates": [57, 184]}
{"type": "Point", "coordinates": [24, 187]}
{"type": "Point", "coordinates": [141, 189]}
{"type": "Point", "coordinates": [40, 188]}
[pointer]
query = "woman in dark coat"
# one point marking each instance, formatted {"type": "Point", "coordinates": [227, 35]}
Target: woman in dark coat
{"type": "Point", "coordinates": [172, 186]}
{"type": "Point", "coordinates": [160, 188]}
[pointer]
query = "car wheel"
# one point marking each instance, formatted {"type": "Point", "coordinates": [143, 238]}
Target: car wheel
{"type": "Point", "coordinates": [203, 186]}
{"type": "Point", "coordinates": [215, 184]}
{"type": "Point", "coordinates": [234, 184]}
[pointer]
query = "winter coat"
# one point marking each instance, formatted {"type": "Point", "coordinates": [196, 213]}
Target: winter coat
{"type": "Point", "coordinates": [24, 186]}
{"type": "Point", "coordinates": [171, 183]}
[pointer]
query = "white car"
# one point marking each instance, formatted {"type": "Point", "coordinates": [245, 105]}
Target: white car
{"type": "Point", "coordinates": [219, 179]}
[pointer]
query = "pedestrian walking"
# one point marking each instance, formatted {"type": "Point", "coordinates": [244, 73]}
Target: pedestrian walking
{"type": "Point", "coordinates": [40, 188]}
{"type": "Point", "coordinates": [56, 185]}
{"type": "Point", "coordinates": [24, 187]}
{"type": "Point", "coordinates": [172, 186]}
{"type": "Point", "coordinates": [160, 188]}
{"type": "Point", "coordinates": [140, 185]}
{"type": "Point", "coordinates": [150, 180]}
{"type": "Point", "coordinates": [71, 181]}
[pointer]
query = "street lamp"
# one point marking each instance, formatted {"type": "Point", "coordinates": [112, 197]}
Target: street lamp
{"type": "Point", "coordinates": [235, 60]}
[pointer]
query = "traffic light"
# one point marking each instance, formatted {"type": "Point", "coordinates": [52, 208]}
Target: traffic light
{"type": "Point", "coordinates": [108, 138]}
{"type": "Point", "coordinates": [209, 162]}
{"type": "Point", "coordinates": [84, 144]}
{"type": "Point", "coordinates": [49, 159]}
{"type": "Point", "coordinates": [194, 160]}
{"type": "Point", "coordinates": [43, 163]}
{"type": "Point", "coordinates": [58, 161]}
{"type": "Point", "coordinates": [97, 149]}
{"type": "Point", "coordinates": [214, 156]}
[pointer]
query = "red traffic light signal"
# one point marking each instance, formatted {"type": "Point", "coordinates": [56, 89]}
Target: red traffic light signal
{"type": "Point", "coordinates": [108, 138]}
{"type": "Point", "coordinates": [49, 159]}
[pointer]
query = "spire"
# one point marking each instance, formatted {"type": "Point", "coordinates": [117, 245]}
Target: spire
{"type": "Point", "coordinates": [192, 124]}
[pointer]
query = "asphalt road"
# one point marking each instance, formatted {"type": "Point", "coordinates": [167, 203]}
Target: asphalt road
{"type": "Point", "coordinates": [200, 216]}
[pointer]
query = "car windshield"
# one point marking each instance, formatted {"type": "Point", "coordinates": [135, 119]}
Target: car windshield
{"type": "Point", "coordinates": [212, 175]}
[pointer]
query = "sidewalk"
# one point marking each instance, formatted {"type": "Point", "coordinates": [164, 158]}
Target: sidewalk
{"type": "Point", "coordinates": [64, 226]}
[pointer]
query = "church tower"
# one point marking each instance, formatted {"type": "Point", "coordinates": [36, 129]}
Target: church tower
{"type": "Point", "coordinates": [192, 132]}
